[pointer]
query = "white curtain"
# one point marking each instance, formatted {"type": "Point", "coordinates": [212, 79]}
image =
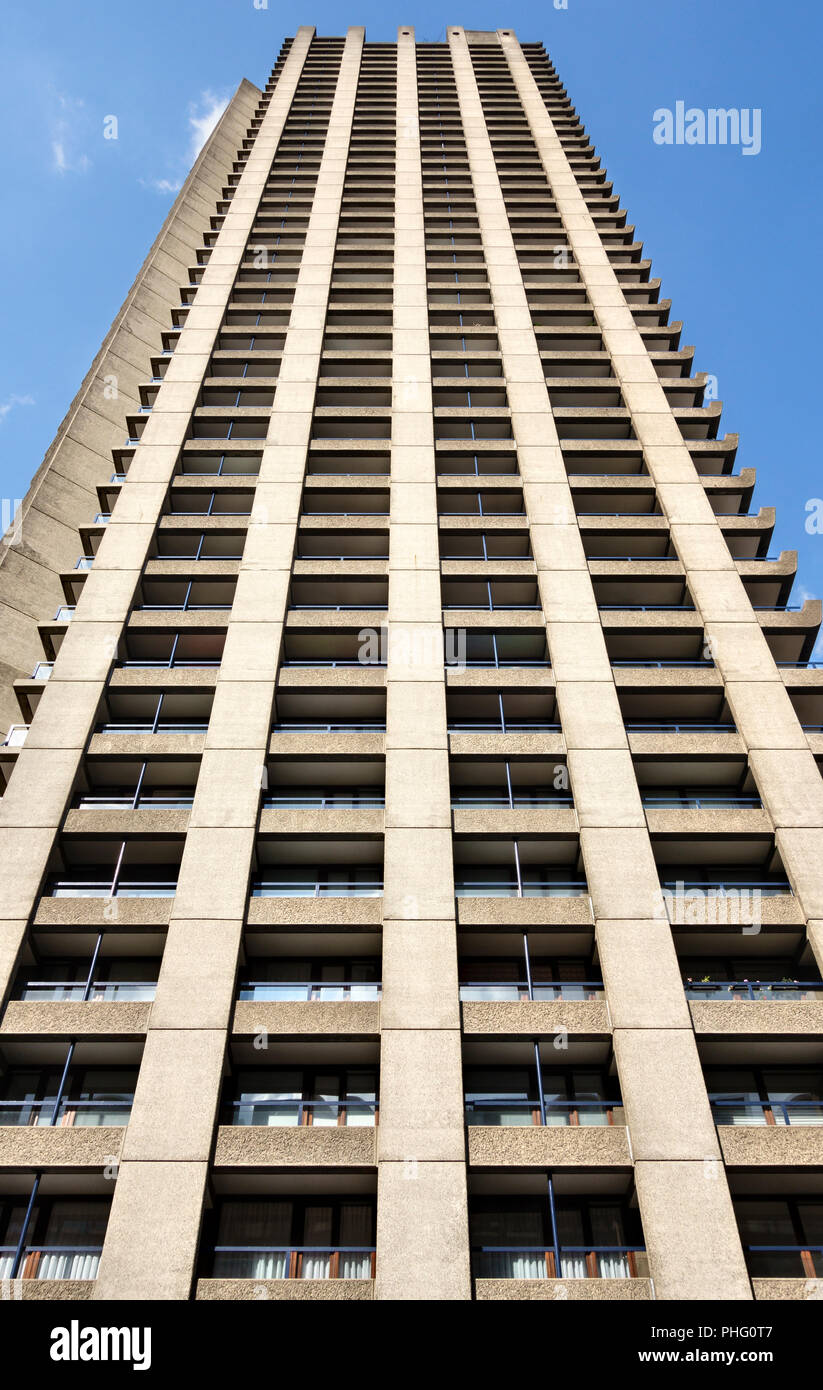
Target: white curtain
{"type": "Point", "coordinates": [317, 1231]}
{"type": "Point", "coordinates": [356, 1228]}
{"type": "Point", "coordinates": [68, 1266]}
{"type": "Point", "coordinates": [263, 1224]}
{"type": "Point", "coordinates": [72, 1224]}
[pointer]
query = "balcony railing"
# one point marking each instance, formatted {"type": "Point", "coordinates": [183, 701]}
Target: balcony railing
{"type": "Point", "coordinates": [784, 1261]}
{"type": "Point", "coordinates": [103, 888]}
{"type": "Point", "coordinates": [105, 991]}
{"type": "Point", "coordinates": [702, 802]}
{"type": "Point", "coordinates": [471, 887]}
{"type": "Point", "coordinates": [767, 1112]}
{"type": "Point", "coordinates": [297, 802]}
{"type": "Point", "coordinates": [552, 1113]}
{"type": "Point", "coordinates": [65, 1112]}
{"type": "Point", "coordinates": [333, 662]}
{"type": "Point", "coordinates": [134, 801]}
{"type": "Point", "coordinates": [185, 607]}
{"type": "Point", "coordinates": [729, 888]}
{"type": "Point", "coordinates": [781, 991]}
{"type": "Point", "coordinates": [314, 887]}
{"type": "Point", "coordinates": [174, 664]}
{"type": "Point", "coordinates": [520, 991]}
{"type": "Point", "coordinates": [337, 607]}
{"type": "Point", "coordinates": [497, 726]}
{"type": "Point", "coordinates": [340, 726]}
{"type": "Point", "coordinates": [511, 802]}
{"type": "Point", "coordinates": [645, 726]}
{"type": "Point", "coordinates": [52, 1261]}
{"type": "Point", "coordinates": [197, 558]}
{"type": "Point", "coordinates": [293, 1262]}
{"type": "Point", "coordinates": [311, 991]}
{"type": "Point", "coordinates": [321, 1114]}
{"type": "Point", "coordinates": [575, 1262]}
{"type": "Point", "coordinates": [500, 663]}
{"type": "Point", "coordinates": [193, 726]}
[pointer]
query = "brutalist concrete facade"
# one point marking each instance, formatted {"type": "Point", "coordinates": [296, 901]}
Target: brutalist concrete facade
{"type": "Point", "coordinates": [412, 832]}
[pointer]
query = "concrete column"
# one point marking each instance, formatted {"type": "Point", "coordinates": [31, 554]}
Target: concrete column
{"type": "Point", "coordinates": [422, 1233]}
{"type": "Point", "coordinates": [168, 1141]}
{"type": "Point", "coordinates": [784, 766]}
{"type": "Point", "coordinates": [666, 1107]}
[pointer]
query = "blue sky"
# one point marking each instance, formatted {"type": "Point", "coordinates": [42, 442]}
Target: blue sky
{"type": "Point", "coordinates": [735, 239]}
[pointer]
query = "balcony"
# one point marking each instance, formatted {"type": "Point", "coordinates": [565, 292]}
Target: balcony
{"type": "Point", "coordinates": [494, 1262]}
{"type": "Point", "coordinates": [103, 885]}
{"type": "Point", "coordinates": [336, 992]}
{"type": "Point", "coordinates": [499, 881]}
{"type": "Point", "coordinates": [767, 1112]}
{"type": "Point", "coordinates": [517, 868]}
{"type": "Point", "coordinates": [141, 873]}
{"type": "Point", "coordinates": [168, 595]}
{"type": "Point", "coordinates": [104, 980]}
{"type": "Point", "coordinates": [278, 980]}
{"type": "Point", "coordinates": [175, 549]}
{"type": "Point", "coordinates": [527, 811]}
{"type": "Point", "coordinates": [327, 1100]}
{"type": "Point", "coordinates": [719, 895]}
{"type": "Point", "coordinates": [781, 1239]}
{"type": "Point", "coordinates": [57, 1238]}
{"type": "Point", "coordinates": [486, 721]}
{"type": "Point", "coordinates": [287, 1244]}
{"type": "Point", "coordinates": [493, 596]}
{"type": "Point", "coordinates": [277, 1262]}
{"type": "Point", "coordinates": [157, 650]}
{"type": "Point", "coordinates": [524, 1245]}
{"type": "Point", "coordinates": [318, 883]}
{"type": "Point", "coordinates": [323, 799]}
{"type": "Point", "coordinates": [342, 546]}
{"type": "Point", "coordinates": [325, 643]}
{"type": "Point", "coordinates": [88, 1098]}
{"type": "Point", "coordinates": [135, 722]}
{"type": "Point", "coordinates": [53, 1262]}
{"type": "Point", "coordinates": [782, 991]}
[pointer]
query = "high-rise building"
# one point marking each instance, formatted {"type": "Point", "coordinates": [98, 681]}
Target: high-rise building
{"type": "Point", "coordinates": [411, 837]}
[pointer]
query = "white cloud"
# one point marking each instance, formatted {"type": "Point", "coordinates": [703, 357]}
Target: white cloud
{"type": "Point", "coordinates": [65, 131]}
{"type": "Point", "coordinates": [8, 405]}
{"type": "Point", "coordinates": [203, 117]}
{"type": "Point", "coordinates": [162, 185]}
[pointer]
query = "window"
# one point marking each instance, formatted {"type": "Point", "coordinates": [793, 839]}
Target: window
{"type": "Point", "coordinates": [63, 1239]}
{"type": "Point", "coordinates": [294, 1239]}
{"type": "Point", "coordinates": [306, 1096]}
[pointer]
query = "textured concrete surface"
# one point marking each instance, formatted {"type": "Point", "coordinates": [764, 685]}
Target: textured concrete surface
{"type": "Point", "coordinates": [280, 1146]}
{"type": "Point", "coordinates": [85, 1146]}
{"type": "Point", "coordinates": [562, 1290]}
{"type": "Point", "coordinates": [536, 1146]}
{"type": "Point", "coordinates": [530, 1016]}
{"type": "Point", "coordinates": [288, 1290]}
{"type": "Point", "coordinates": [101, 1017]}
